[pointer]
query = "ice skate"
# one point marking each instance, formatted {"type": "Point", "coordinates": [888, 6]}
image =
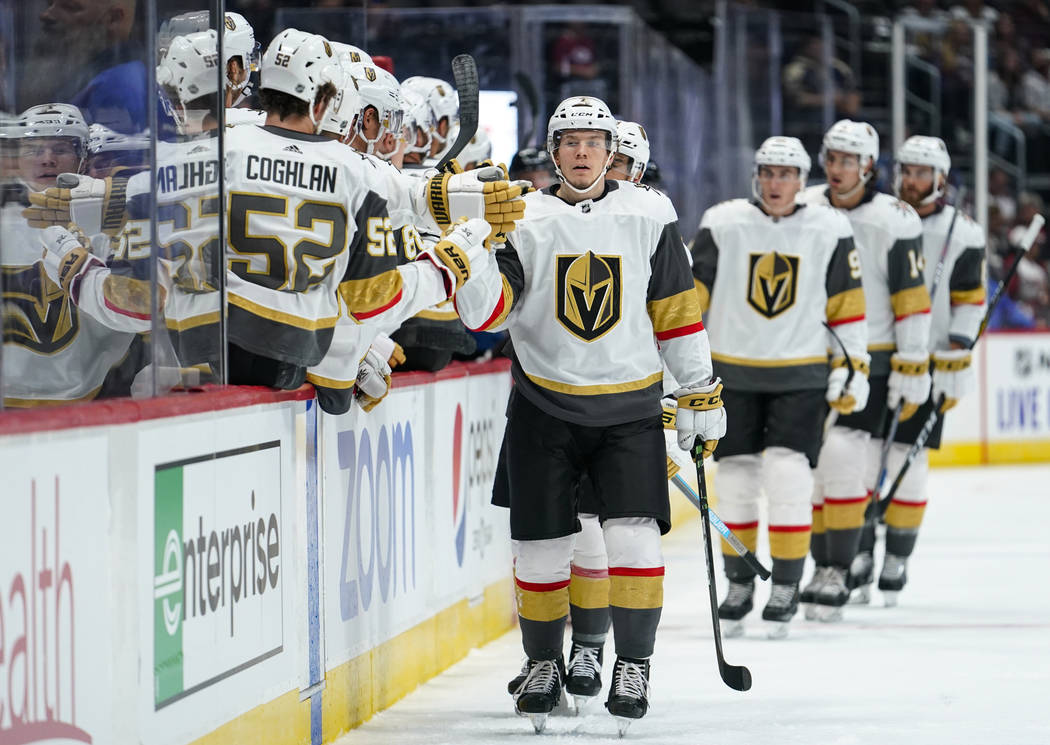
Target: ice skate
{"type": "Point", "coordinates": [583, 678]}
{"type": "Point", "coordinates": [738, 603]}
{"type": "Point", "coordinates": [782, 606]}
{"type": "Point", "coordinates": [892, 579]}
{"type": "Point", "coordinates": [517, 680]}
{"type": "Point", "coordinates": [809, 595]}
{"type": "Point", "coordinates": [833, 595]}
{"type": "Point", "coordinates": [629, 692]}
{"type": "Point", "coordinates": [859, 578]}
{"type": "Point", "coordinates": [540, 692]}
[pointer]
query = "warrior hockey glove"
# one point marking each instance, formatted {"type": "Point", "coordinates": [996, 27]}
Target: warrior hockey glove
{"type": "Point", "coordinates": [95, 204]}
{"type": "Point", "coordinates": [700, 414]}
{"type": "Point", "coordinates": [854, 397]}
{"type": "Point", "coordinates": [909, 380]}
{"type": "Point", "coordinates": [373, 379]}
{"type": "Point", "coordinates": [67, 258]}
{"type": "Point", "coordinates": [952, 376]}
{"type": "Point", "coordinates": [458, 250]}
{"type": "Point", "coordinates": [483, 192]}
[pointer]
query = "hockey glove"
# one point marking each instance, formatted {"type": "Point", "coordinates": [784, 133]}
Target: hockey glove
{"type": "Point", "coordinates": [458, 250]}
{"type": "Point", "coordinates": [700, 414]}
{"type": "Point", "coordinates": [95, 204]}
{"type": "Point", "coordinates": [67, 258]}
{"type": "Point", "coordinates": [952, 376]}
{"type": "Point", "coordinates": [389, 350]}
{"type": "Point", "coordinates": [483, 192]}
{"type": "Point", "coordinates": [373, 379]}
{"type": "Point", "coordinates": [854, 397]}
{"type": "Point", "coordinates": [910, 381]}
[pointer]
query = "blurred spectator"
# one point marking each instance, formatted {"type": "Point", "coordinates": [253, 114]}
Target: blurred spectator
{"type": "Point", "coordinates": [804, 93]}
{"type": "Point", "coordinates": [1001, 195]}
{"type": "Point", "coordinates": [88, 55]}
{"type": "Point", "coordinates": [976, 11]}
{"type": "Point", "coordinates": [574, 61]}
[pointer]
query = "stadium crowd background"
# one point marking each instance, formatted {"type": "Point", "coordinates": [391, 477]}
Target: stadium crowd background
{"type": "Point", "coordinates": [90, 55]}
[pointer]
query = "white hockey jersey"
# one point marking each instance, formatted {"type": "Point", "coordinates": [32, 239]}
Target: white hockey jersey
{"type": "Point", "coordinates": [59, 345]}
{"type": "Point", "coordinates": [888, 236]}
{"type": "Point", "coordinates": [960, 301]}
{"type": "Point", "coordinates": [301, 210]}
{"type": "Point", "coordinates": [594, 295]}
{"type": "Point", "coordinates": [767, 285]}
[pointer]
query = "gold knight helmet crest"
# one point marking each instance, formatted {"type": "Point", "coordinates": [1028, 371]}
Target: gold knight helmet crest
{"type": "Point", "coordinates": [588, 291]}
{"type": "Point", "coordinates": [772, 282]}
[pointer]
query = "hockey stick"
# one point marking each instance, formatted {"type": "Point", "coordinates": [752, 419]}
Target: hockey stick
{"type": "Point", "coordinates": [736, 677]}
{"type": "Point", "coordinates": [931, 421]}
{"type": "Point", "coordinates": [737, 545]}
{"type": "Point", "coordinates": [528, 90]}
{"type": "Point", "coordinates": [887, 442]}
{"type": "Point", "coordinates": [465, 74]}
{"type": "Point", "coordinates": [833, 414]}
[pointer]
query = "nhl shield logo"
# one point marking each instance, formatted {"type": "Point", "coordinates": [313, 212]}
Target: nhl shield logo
{"type": "Point", "coordinates": [772, 282]}
{"type": "Point", "coordinates": [588, 294]}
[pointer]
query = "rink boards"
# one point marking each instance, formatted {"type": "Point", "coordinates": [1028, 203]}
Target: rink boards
{"type": "Point", "coordinates": [234, 567]}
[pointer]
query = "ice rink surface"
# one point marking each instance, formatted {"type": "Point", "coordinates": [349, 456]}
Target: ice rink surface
{"type": "Point", "coordinates": [964, 659]}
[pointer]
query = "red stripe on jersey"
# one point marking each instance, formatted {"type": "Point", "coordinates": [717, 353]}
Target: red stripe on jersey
{"type": "Point", "coordinates": [636, 571]}
{"type": "Point", "coordinates": [742, 526]}
{"type": "Point", "coordinates": [377, 311]}
{"type": "Point", "coordinates": [841, 321]}
{"type": "Point", "coordinates": [128, 313]}
{"type": "Point", "coordinates": [909, 315]}
{"type": "Point", "coordinates": [495, 313]}
{"type": "Point", "coordinates": [818, 508]}
{"type": "Point", "coordinates": [847, 500]}
{"type": "Point", "coordinates": [680, 331]}
{"type": "Point", "coordinates": [589, 573]}
{"type": "Point", "coordinates": [541, 586]}
{"type": "Point", "coordinates": [788, 528]}
{"type": "Point", "coordinates": [907, 504]}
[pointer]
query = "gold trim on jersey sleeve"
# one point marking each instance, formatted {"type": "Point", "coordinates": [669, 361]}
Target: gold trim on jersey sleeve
{"type": "Point", "coordinates": [329, 382]}
{"type": "Point", "coordinates": [845, 306]}
{"type": "Point", "coordinates": [192, 322]}
{"type": "Point", "coordinates": [278, 317]}
{"type": "Point", "coordinates": [976, 296]}
{"type": "Point", "coordinates": [130, 295]}
{"type": "Point", "coordinates": [366, 297]}
{"type": "Point", "coordinates": [703, 294]}
{"type": "Point", "coordinates": [438, 315]}
{"type": "Point", "coordinates": [748, 362]}
{"type": "Point", "coordinates": [675, 312]}
{"type": "Point", "coordinates": [596, 390]}
{"type": "Point", "coordinates": [508, 304]}
{"type": "Point", "coordinates": [909, 301]}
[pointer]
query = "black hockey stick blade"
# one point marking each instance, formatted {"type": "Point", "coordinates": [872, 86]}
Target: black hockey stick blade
{"type": "Point", "coordinates": [465, 75]}
{"type": "Point", "coordinates": [532, 97]}
{"type": "Point", "coordinates": [736, 677]}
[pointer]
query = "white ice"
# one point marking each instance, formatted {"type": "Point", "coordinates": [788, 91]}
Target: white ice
{"type": "Point", "coordinates": [964, 659]}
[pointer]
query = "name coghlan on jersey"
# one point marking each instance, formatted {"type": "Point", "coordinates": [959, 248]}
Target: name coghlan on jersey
{"type": "Point", "coordinates": [190, 175]}
{"type": "Point", "coordinates": [291, 173]}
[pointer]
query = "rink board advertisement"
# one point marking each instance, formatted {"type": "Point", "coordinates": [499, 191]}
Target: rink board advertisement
{"type": "Point", "coordinates": [1017, 402]}
{"type": "Point", "coordinates": [56, 677]}
{"type": "Point", "coordinates": [217, 571]}
{"type": "Point", "coordinates": [408, 527]}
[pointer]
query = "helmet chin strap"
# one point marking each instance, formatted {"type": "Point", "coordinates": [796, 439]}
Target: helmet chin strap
{"type": "Point", "coordinates": [936, 191]}
{"type": "Point", "coordinates": [756, 192]}
{"type": "Point", "coordinates": [861, 183]}
{"type": "Point", "coordinates": [565, 181]}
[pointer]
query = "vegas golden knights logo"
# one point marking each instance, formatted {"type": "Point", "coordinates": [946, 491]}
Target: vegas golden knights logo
{"type": "Point", "coordinates": [772, 282]}
{"type": "Point", "coordinates": [230, 23]}
{"type": "Point", "coordinates": [370, 74]}
{"type": "Point", "coordinates": [38, 314]}
{"type": "Point", "coordinates": [588, 290]}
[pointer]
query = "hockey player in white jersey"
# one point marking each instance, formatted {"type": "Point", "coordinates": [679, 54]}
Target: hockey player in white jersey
{"type": "Point", "coordinates": [888, 234]}
{"type": "Point", "coordinates": [958, 305]}
{"type": "Point", "coordinates": [284, 179]}
{"type": "Point", "coordinates": [594, 288]}
{"type": "Point", "coordinates": [770, 273]}
{"type": "Point", "coordinates": [62, 333]}
{"type": "Point", "coordinates": [589, 570]}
